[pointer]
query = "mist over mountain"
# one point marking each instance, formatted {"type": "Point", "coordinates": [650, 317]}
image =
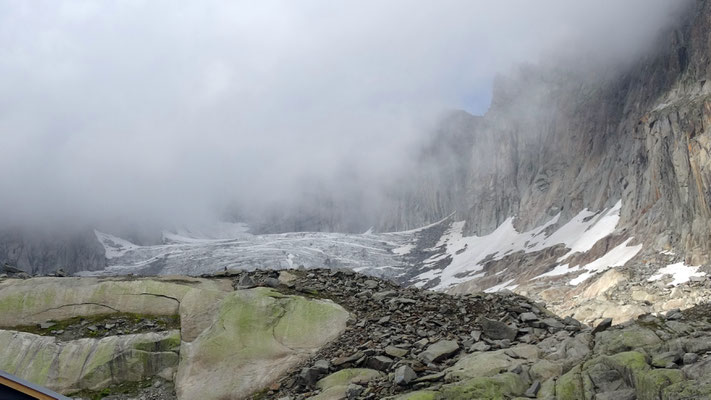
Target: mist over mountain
{"type": "Point", "coordinates": [372, 200]}
{"type": "Point", "coordinates": [308, 115]}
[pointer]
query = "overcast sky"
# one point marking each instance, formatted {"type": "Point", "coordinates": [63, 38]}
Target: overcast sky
{"type": "Point", "coordinates": [176, 108]}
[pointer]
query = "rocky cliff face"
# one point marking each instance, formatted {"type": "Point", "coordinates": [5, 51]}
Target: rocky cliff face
{"type": "Point", "coordinates": [562, 140]}
{"type": "Point", "coordinates": [38, 251]}
{"type": "Point", "coordinates": [574, 171]}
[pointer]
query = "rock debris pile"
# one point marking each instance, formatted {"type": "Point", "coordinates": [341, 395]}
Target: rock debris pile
{"type": "Point", "coordinates": [400, 339]}
{"type": "Point", "coordinates": [406, 343]}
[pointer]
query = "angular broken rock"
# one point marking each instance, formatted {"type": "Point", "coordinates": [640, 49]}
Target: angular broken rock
{"type": "Point", "coordinates": [479, 346]}
{"type": "Point", "coordinates": [286, 278]}
{"type": "Point", "coordinates": [245, 282]}
{"type": "Point", "coordinates": [353, 391]}
{"type": "Point", "coordinates": [553, 323]}
{"type": "Point", "coordinates": [380, 363]}
{"type": "Point", "coordinates": [673, 314]}
{"type": "Point", "coordinates": [380, 296]}
{"type": "Point", "coordinates": [404, 375]}
{"type": "Point", "coordinates": [393, 351]}
{"type": "Point", "coordinates": [528, 316]}
{"type": "Point", "coordinates": [690, 358]}
{"type": "Point", "coordinates": [352, 358]}
{"type": "Point", "coordinates": [322, 365]}
{"type": "Point", "coordinates": [666, 359]}
{"type": "Point", "coordinates": [497, 330]}
{"type": "Point", "coordinates": [532, 391]}
{"type": "Point", "coordinates": [371, 284]}
{"type": "Point", "coordinates": [310, 375]}
{"type": "Point", "coordinates": [572, 321]}
{"type": "Point", "coordinates": [271, 282]}
{"type": "Point", "coordinates": [439, 351]}
{"type": "Point", "coordinates": [431, 378]}
{"type": "Point", "coordinates": [476, 335]}
{"type": "Point", "coordinates": [46, 325]}
{"type": "Point", "coordinates": [606, 323]}
{"type": "Point", "coordinates": [402, 300]}
{"type": "Point", "coordinates": [421, 343]}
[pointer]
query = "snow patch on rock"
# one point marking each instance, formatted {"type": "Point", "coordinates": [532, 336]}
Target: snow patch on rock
{"type": "Point", "coordinates": [505, 285]}
{"type": "Point", "coordinates": [680, 272]}
{"type": "Point", "coordinates": [469, 253]}
{"type": "Point", "coordinates": [616, 257]}
{"type": "Point", "coordinates": [114, 247]}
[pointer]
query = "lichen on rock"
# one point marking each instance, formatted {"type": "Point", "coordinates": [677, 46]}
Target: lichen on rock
{"type": "Point", "coordinates": [88, 363]}
{"type": "Point", "coordinates": [255, 336]}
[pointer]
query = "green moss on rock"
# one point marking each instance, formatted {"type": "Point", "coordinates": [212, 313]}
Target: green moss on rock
{"type": "Point", "coordinates": [620, 340]}
{"type": "Point", "coordinates": [295, 327]}
{"type": "Point", "coordinates": [160, 323]}
{"type": "Point", "coordinates": [254, 336]}
{"type": "Point", "coordinates": [499, 387]}
{"type": "Point", "coordinates": [632, 360]}
{"type": "Point", "coordinates": [126, 389]}
{"type": "Point", "coordinates": [649, 385]}
{"type": "Point", "coordinates": [687, 390]}
{"type": "Point", "coordinates": [41, 299]}
{"type": "Point", "coordinates": [570, 385]}
{"type": "Point", "coordinates": [347, 376]}
{"type": "Point", "coordinates": [481, 364]}
{"type": "Point", "coordinates": [419, 395]}
{"type": "Point", "coordinates": [86, 363]}
{"type": "Point", "coordinates": [171, 342]}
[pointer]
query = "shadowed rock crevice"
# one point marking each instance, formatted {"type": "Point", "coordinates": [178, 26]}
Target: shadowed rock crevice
{"type": "Point", "coordinates": [75, 305]}
{"type": "Point", "coordinates": [160, 295]}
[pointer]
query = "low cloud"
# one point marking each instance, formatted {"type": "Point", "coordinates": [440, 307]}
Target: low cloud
{"type": "Point", "coordinates": [177, 111]}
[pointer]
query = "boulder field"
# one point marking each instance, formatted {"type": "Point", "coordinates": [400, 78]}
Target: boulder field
{"type": "Point", "coordinates": [332, 335]}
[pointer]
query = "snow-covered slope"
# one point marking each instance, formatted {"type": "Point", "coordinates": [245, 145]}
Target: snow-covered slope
{"type": "Point", "coordinates": [567, 263]}
{"type": "Point", "coordinates": [192, 252]}
{"type": "Point", "coordinates": [468, 255]}
{"type": "Point", "coordinates": [409, 257]}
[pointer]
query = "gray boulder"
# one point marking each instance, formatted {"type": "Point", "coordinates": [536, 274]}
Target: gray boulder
{"type": "Point", "coordinates": [439, 351]}
{"type": "Point", "coordinates": [497, 330]}
{"type": "Point", "coordinates": [404, 375]}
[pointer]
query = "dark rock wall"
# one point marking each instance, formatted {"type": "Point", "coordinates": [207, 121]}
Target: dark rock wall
{"type": "Point", "coordinates": [43, 252]}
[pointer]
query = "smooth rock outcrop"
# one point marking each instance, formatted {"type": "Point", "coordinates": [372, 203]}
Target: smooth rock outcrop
{"type": "Point", "coordinates": [254, 337]}
{"type": "Point", "coordinates": [88, 363]}
{"type": "Point", "coordinates": [36, 300]}
{"type": "Point", "coordinates": [491, 363]}
{"type": "Point", "coordinates": [335, 386]}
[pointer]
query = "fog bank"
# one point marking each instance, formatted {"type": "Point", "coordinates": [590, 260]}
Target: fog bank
{"type": "Point", "coordinates": [162, 112]}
